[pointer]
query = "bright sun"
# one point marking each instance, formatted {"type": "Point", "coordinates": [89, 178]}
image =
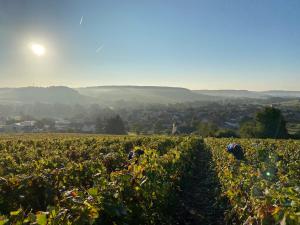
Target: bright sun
{"type": "Point", "coordinates": [38, 49]}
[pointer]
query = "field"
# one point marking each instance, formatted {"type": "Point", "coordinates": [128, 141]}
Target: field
{"type": "Point", "coordinates": [265, 187]}
{"type": "Point", "coordinates": [81, 179]}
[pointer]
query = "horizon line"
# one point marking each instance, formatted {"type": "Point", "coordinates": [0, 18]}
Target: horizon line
{"type": "Point", "coordinates": [144, 86]}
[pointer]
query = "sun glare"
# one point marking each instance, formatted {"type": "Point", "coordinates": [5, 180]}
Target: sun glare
{"type": "Point", "coordinates": [38, 49]}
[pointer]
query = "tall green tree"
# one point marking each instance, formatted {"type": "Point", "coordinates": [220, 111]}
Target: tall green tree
{"type": "Point", "coordinates": [270, 123]}
{"type": "Point", "coordinates": [115, 125]}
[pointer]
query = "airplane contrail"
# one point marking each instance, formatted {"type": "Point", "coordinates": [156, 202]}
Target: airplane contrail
{"type": "Point", "coordinates": [81, 20]}
{"type": "Point", "coordinates": [99, 49]}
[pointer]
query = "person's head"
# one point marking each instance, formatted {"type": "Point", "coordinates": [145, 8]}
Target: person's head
{"type": "Point", "coordinates": [230, 147]}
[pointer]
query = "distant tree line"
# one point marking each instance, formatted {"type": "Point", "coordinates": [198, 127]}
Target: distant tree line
{"type": "Point", "coordinates": [208, 121]}
{"type": "Point", "coordinates": [267, 123]}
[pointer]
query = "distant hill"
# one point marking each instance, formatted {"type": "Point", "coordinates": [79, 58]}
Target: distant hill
{"type": "Point", "coordinates": [233, 93]}
{"type": "Point", "coordinates": [125, 95]}
{"type": "Point", "coordinates": [283, 94]}
{"type": "Point", "coordinates": [49, 95]}
{"type": "Point", "coordinates": [250, 94]}
{"type": "Point", "coordinates": [144, 94]}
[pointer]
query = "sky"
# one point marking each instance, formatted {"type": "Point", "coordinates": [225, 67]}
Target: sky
{"type": "Point", "coordinates": [197, 44]}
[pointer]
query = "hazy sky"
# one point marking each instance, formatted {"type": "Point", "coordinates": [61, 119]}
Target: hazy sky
{"type": "Point", "coordinates": [211, 44]}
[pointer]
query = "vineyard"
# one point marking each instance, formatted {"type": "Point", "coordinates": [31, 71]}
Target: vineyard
{"type": "Point", "coordinates": [79, 179]}
{"type": "Point", "coordinates": [88, 180]}
{"type": "Point", "coordinates": [265, 187]}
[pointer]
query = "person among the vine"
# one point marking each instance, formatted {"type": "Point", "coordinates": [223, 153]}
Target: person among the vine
{"type": "Point", "coordinates": [236, 150]}
{"type": "Point", "coordinates": [135, 154]}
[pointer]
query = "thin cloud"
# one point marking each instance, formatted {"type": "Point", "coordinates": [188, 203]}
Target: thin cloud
{"type": "Point", "coordinates": [99, 49]}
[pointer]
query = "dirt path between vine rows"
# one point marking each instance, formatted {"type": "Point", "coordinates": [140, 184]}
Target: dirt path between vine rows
{"type": "Point", "coordinates": [200, 201]}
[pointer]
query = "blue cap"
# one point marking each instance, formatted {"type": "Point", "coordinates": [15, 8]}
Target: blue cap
{"type": "Point", "coordinates": [230, 147]}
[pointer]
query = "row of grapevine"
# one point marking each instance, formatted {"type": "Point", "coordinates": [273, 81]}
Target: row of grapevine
{"type": "Point", "coordinates": [265, 187]}
{"type": "Point", "coordinates": [89, 180]}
